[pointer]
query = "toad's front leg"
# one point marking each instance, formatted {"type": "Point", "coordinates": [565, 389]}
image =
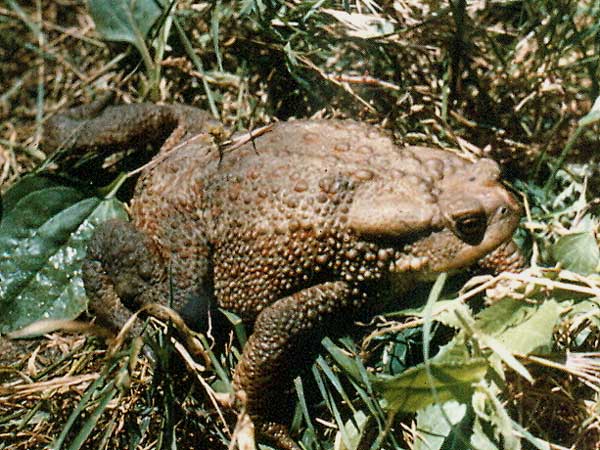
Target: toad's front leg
{"type": "Point", "coordinates": [279, 347]}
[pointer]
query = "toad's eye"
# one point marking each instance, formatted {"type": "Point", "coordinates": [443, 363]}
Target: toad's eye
{"type": "Point", "coordinates": [470, 227]}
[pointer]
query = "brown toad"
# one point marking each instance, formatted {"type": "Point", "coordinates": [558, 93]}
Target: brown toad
{"type": "Point", "coordinates": [307, 225]}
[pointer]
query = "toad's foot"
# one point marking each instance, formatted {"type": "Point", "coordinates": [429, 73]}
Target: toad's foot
{"type": "Point", "coordinates": [506, 258]}
{"type": "Point", "coordinates": [278, 433]}
{"type": "Point", "coordinates": [120, 273]}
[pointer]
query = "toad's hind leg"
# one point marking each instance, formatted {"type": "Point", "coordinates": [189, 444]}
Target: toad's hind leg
{"type": "Point", "coordinates": [285, 334]}
{"type": "Point", "coordinates": [121, 272]}
{"type": "Point", "coordinates": [124, 270]}
{"type": "Point", "coordinates": [97, 127]}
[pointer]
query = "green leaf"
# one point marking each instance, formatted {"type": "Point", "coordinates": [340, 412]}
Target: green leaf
{"type": "Point", "coordinates": [506, 356]}
{"type": "Point", "coordinates": [449, 314]}
{"type": "Point", "coordinates": [588, 310]}
{"type": "Point", "coordinates": [533, 335]}
{"type": "Point", "coordinates": [433, 427]}
{"type": "Point", "coordinates": [353, 430]}
{"type": "Point", "coordinates": [26, 185]}
{"type": "Point", "coordinates": [42, 244]}
{"type": "Point", "coordinates": [124, 20]}
{"type": "Point", "coordinates": [514, 327]}
{"type": "Point", "coordinates": [577, 252]}
{"type": "Point", "coordinates": [480, 439]}
{"type": "Point", "coordinates": [521, 327]}
{"type": "Point", "coordinates": [238, 326]}
{"type": "Point", "coordinates": [491, 410]}
{"type": "Point", "coordinates": [498, 317]}
{"type": "Point", "coordinates": [412, 390]}
{"type": "Point", "coordinates": [455, 351]}
{"type": "Point", "coordinates": [91, 424]}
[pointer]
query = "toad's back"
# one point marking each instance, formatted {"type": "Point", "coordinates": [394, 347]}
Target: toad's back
{"type": "Point", "coordinates": [271, 213]}
{"type": "Point", "coordinates": [294, 157]}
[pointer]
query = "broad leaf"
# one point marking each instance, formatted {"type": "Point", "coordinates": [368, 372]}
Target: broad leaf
{"type": "Point", "coordinates": [43, 239]}
{"type": "Point", "coordinates": [26, 185]}
{"type": "Point", "coordinates": [577, 252]}
{"type": "Point", "coordinates": [521, 327]}
{"type": "Point", "coordinates": [533, 335]}
{"type": "Point", "coordinates": [124, 20]}
{"type": "Point", "coordinates": [506, 355]}
{"type": "Point", "coordinates": [480, 438]}
{"type": "Point", "coordinates": [496, 318]}
{"type": "Point", "coordinates": [490, 409]}
{"type": "Point", "coordinates": [435, 425]}
{"type": "Point", "coordinates": [414, 390]}
{"type": "Point", "coordinates": [449, 315]}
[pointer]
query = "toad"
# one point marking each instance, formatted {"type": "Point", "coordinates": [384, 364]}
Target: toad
{"type": "Point", "coordinates": [309, 224]}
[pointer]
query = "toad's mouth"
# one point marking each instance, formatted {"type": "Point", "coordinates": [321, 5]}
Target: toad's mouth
{"type": "Point", "coordinates": [402, 263]}
{"type": "Point", "coordinates": [441, 251]}
{"type": "Point", "coordinates": [424, 268]}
